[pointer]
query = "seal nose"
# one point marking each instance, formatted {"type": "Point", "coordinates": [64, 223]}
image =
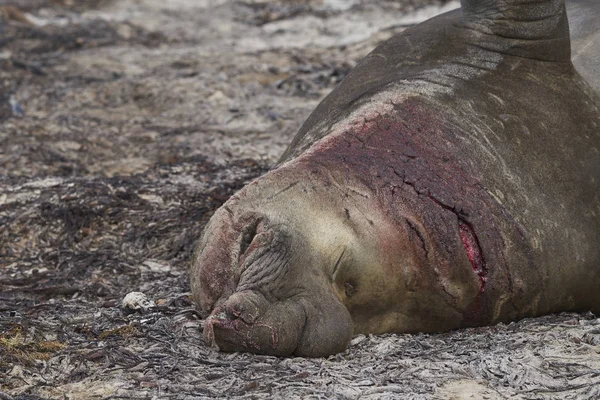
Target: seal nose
{"type": "Point", "coordinates": [256, 233]}
{"type": "Point", "coordinates": [249, 233]}
{"type": "Point", "coordinates": [228, 324]}
{"type": "Point", "coordinates": [245, 306]}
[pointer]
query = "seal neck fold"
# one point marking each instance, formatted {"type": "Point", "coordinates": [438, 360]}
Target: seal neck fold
{"type": "Point", "coordinates": [536, 29]}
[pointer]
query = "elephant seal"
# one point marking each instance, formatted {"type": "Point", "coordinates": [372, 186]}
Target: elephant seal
{"type": "Point", "coordinates": [451, 180]}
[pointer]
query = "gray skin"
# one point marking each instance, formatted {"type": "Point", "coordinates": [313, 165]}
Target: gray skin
{"type": "Point", "coordinates": [451, 180]}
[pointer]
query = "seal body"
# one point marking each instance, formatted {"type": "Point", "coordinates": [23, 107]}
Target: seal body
{"type": "Point", "coordinates": [451, 180]}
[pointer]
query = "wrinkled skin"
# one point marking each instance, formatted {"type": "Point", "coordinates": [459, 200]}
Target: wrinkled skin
{"type": "Point", "coordinates": [449, 181]}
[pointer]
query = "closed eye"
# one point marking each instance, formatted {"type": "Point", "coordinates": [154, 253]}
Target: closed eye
{"type": "Point", "coordinates": [416, 232]}
{"type": "Point", "coordinates": [337, 264]}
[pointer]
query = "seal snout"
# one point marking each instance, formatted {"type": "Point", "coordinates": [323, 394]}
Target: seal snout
{"type": "Point", "coordinates": [260, 282]}
{"type": "Point", "coordinates": [248, 322]}
{"type": "Point", "coordinates": [228, 325]}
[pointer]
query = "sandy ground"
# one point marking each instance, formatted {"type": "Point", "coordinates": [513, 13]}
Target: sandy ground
{"type": "Point", "coordinates": [123, 126]}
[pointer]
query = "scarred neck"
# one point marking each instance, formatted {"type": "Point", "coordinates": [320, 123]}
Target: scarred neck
{"type": "Point", "coordinates": [536, 29]}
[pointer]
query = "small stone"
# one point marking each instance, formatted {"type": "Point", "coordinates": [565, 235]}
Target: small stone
{"type": "Point", "coordinates": [137, 301]}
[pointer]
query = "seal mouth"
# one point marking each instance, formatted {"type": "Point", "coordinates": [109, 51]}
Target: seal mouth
{"type": "Point", "coordinates": [473, 249]}
{"type": "Point", "coordinates": [225, 332]}
{"type": "Point", "coordinates": [229, 325]}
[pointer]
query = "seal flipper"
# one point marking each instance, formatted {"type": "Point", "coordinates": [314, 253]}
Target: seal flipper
{"type": "Point", "coordinates": [534, 29]}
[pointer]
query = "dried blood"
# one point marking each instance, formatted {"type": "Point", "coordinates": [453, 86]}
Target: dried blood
{"type": "Point", "coordinates": [471, 245]}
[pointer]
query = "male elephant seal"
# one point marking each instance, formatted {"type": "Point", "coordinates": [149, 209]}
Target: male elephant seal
{"type": "Point", "coordinates": [451, 180]}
